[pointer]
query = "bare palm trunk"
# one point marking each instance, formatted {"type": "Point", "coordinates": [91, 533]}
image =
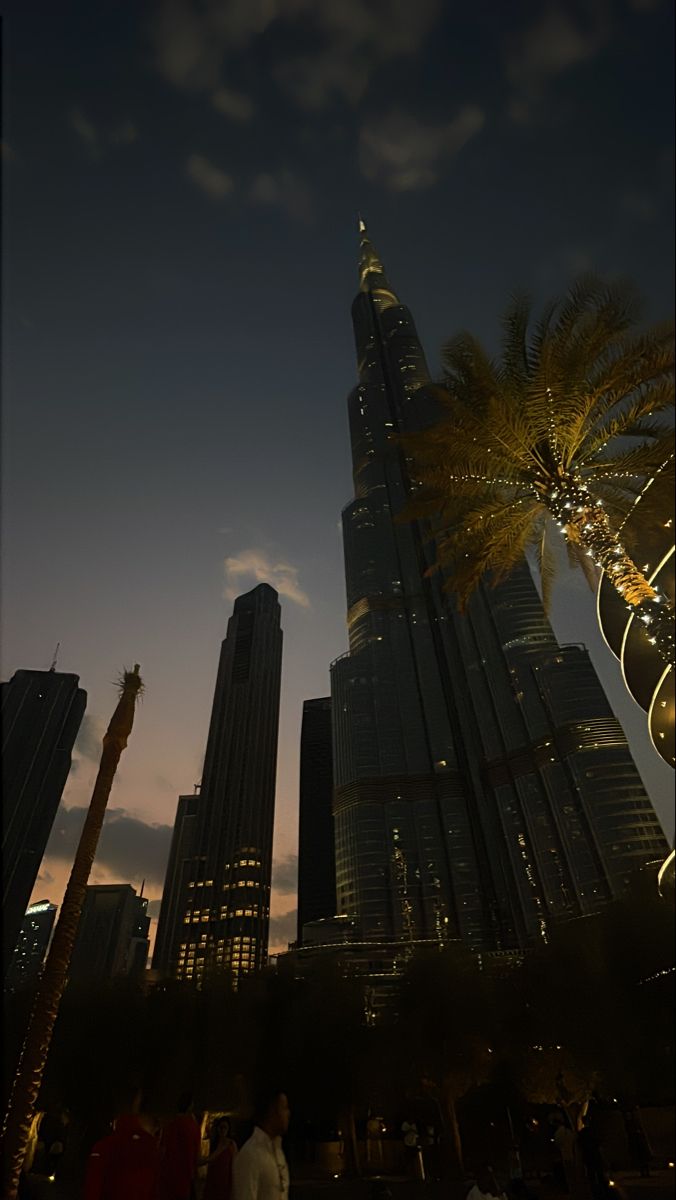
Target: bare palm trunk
{"type": "Point", "coordinates": [28, 1078]}
{"type": "Point", "coordinates": [586, 524]}
{"type": "Point", "coordinates": [350, 1142]}
{"type": "Point", "coordinates": [452, 1155]}
{"type": "Point", "coordinates": [456, 1140]}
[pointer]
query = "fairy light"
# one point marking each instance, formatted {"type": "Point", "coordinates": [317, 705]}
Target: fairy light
{"type": "Point", "coordinates": [585, 522]}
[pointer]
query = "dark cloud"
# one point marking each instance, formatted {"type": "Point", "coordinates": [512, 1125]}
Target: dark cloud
{"type": "Point", "coordinates": [285, 874]}
{"type": "Point", "coordinates": [558, 40]}
{"type": "Point", "coordinates": [211, 179]}
{"type": "Point", "coordinates": [355, 37]}
{"type": "Point", "coordinates": [45, 878]}
{"type": "Point", "coordinates": [94, 139]}
{"type": "Point", "coordinates": [235, 105]}
{"type": "Point", "coordinates": [284, 190]}
{"type": "Point", "coordinates": [194, 42]}
{"type": "Point", "coordinates": [283, 929]}
{"type": "Point", "coordinates": [136, 850]}
{"type": "Point", "coordinates": [405, 154]}
{"type": "Point", "coordinates": [128, 848]}
{"type": "Point", "coordinates": [85, 130]}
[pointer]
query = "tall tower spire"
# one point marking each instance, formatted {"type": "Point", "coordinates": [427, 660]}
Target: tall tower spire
{"type": "Point", "coordinates": [475, 760]}
{"type": "Point", "coordinates": [372, 277]}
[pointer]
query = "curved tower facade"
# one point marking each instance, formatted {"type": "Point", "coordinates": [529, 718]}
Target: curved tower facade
{"type": "Point", "coordinates": [482, 786]}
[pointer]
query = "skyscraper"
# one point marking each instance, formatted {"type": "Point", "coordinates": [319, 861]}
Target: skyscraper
{"type": "Point", "coordinates": [316, 852]}
{"type": "Point", "coordinates": [226, 905]}
{"type": "Point", "coordinates": [36, 930]}
{"type": "Point", "coordinates": [112, 937]}
{"type": "Point", "coordinates": [483, 786]}
{"type": "Point", "coordinates": [41, 715]}
{"type": "Point", "coordinates": [170, 922]}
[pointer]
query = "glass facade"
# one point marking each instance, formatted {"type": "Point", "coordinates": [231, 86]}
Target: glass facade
{"type": "Point", "coordinates": [482, 786]}
{"type": "Point", "coordinates": [316, 860]}
{"type": "Point", "coordinates": [170, 922]}
{"type": "Point", "coordinates": [41, 716]}
{"type": "Point", "coordinates": [225, 904]}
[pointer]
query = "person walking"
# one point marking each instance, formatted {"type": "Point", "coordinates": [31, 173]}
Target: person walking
{"type": "Point", "coordinates": [218, 1184]}
{"type": "Point", "coordinates": [125, 1165]}
{"type": "Point", "coordinates": [590, 1150]}
{"type": "Point", "coordinates": [569, 1169]}
{"type": "Point", "coordinates": [181, 1144]}
{"type": "Point", "coordinates": [639, 1146]}
{"type": "Point", "coordinates": [260, 1170]}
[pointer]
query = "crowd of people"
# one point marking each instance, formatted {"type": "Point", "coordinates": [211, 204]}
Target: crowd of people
{"type": "Point", "coordinates": [143, 1158]}
{"type": "Point", "coordinates": [146, 1159]}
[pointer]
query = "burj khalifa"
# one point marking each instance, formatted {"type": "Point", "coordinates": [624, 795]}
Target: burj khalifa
{"type": "Point", "coordinates": [483, 787]}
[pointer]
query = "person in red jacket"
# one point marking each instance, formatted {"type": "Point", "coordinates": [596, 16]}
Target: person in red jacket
{"type": "Point", "coordinates": [126, 1164]}
{"type": "Point", "coordinates": [181, 1145]}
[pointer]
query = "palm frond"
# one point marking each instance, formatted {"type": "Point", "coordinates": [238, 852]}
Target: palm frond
{"type": "Point", "coordinates": [631, 461]}
{"type": "Point", "coordinates": [631, 419]}
{"type": "Point", "coordinates": [493, 540]}
{"type": "Point", "coordinates": [515, 362]}
{"type": "Point", "coordinates": [639, 361]}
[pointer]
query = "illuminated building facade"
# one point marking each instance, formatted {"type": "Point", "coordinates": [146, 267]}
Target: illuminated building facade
{"type": "Point", "coordinates": [226, 907]}
{"type": "Point", "coordinates": [316, 853]}
{"type": "Point", "coordinates": [41, 715]}
{"type": "Point", "coordinates": [112, 937]}
{"type": "Point", "coordinates": [29, 955]}
{"type": "Point", "coordinates": [482, 785]}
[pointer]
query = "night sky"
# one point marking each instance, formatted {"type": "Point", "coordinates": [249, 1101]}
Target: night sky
{"type": "Point", "coordinates": [181, 183]}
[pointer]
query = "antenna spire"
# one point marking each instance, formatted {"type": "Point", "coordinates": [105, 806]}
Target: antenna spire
{"type": "Point", "coordinates": [372, 277]}
{"type": "Point", "coordinates": [56, 655]}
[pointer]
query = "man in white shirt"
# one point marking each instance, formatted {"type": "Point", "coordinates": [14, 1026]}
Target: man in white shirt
{"type": "Point", "coordinates": [260, 1171]}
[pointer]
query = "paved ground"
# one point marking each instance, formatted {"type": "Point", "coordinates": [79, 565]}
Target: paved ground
{"type": "Point", "coordinates": [628, 1186]}
{"type": "Point", "coordinates": [660, 1186]}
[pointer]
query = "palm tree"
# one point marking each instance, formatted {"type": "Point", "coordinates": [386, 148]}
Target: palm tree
{"type": "Point", "coordinates": [26, 1087]}
{"type": "Point", "coordinates": [565, 431]}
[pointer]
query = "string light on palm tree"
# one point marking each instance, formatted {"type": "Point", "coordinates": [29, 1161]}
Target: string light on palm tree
{"type": "Point", "coordinates": [564, 432]}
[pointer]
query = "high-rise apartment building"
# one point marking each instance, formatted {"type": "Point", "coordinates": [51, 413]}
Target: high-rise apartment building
{"type": "Point", "coordinates": [316, 851]}
{"type": "Point", "coordinates": [29, 955]}
{"type": "Point", "coordinates": [225, 910]}
{"type": "Point", "coordinates": [41, 715]}
{"type": "Point", "coordinates": [482, 785]}
{"type": "Point", "coordinates": [170, 921]}
{"type": "Point", "coordinates": [112, 937]}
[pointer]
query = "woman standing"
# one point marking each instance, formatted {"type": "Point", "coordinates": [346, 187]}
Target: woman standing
{"type": "Point", "coordinates": [219, 1174]}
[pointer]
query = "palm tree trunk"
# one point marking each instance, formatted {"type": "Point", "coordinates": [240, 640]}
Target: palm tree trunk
{"type": "Point", "coordinates": [456, 1140]}
{"type": "Point", "coordinates": [586, 523]}
{"type": "Point", "coordinates": [350, 1142]}
{"type": "Point", "coordinates": [28, 1078]}
{"type": "Point", "coordinates": [452, 1151]}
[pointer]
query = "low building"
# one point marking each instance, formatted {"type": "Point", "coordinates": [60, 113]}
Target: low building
{"type": "Point", "coordinates": [112, 938]}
